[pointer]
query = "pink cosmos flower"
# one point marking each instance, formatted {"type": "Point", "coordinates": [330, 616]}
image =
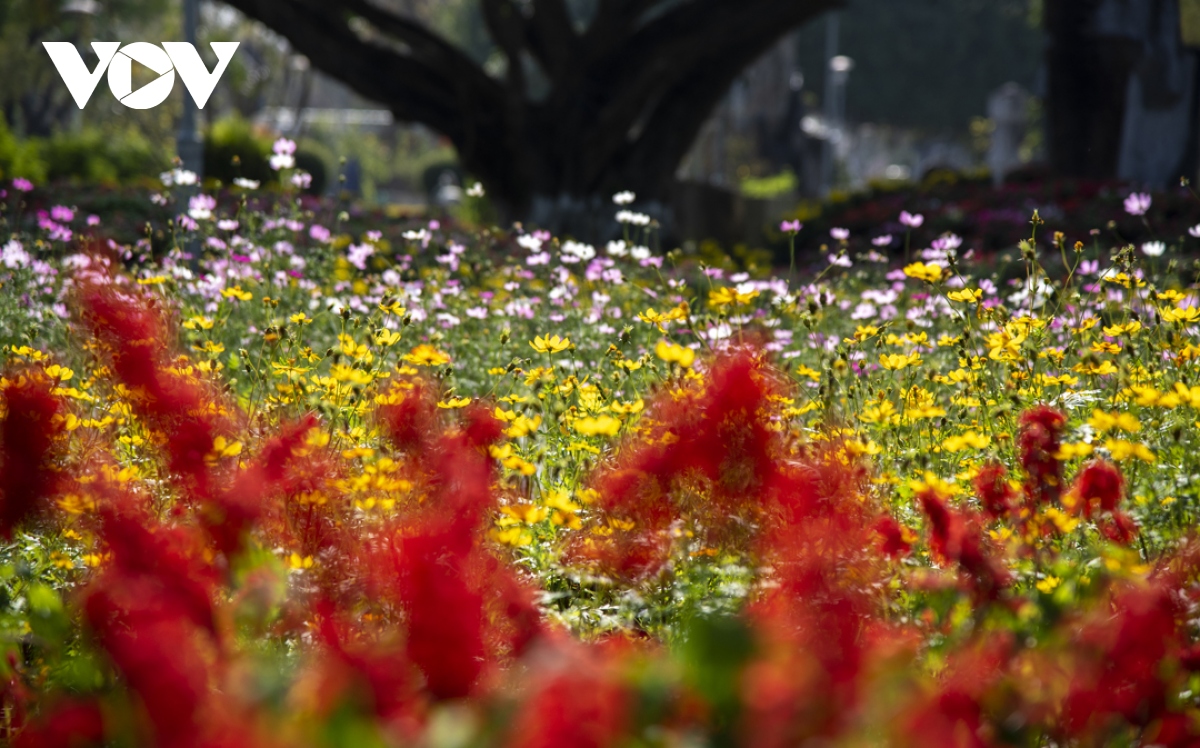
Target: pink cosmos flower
{"type": "Point", "coordinates": [1137, 204]}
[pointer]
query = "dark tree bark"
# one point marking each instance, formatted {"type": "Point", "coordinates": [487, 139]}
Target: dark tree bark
{"type": "Point", "coordinates": [618, 104]}
{"type": "Point", "coordinates": [1088, 76]}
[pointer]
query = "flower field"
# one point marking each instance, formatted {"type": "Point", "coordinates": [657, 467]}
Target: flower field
{"type": "Point", "coordinates": [299, 486]}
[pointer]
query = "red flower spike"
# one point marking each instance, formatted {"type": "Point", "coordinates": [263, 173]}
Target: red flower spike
{"type": "Point", "coordinates": [29, 431]}
{"type": "Point", "coordinates": [991, 485]}
{"type": "Point", "coordinates": [891, 536]}
{"type": "Point", "coordinates": [957, 538]}
{"type": "Point", "coordinates": [1099, 487]}
{"type": "Point", "coordinates": [1039, 442]}
{"type": "Point", "coordinates": [578, 701]}
{"type": "Point", "coordinates": [72, 724]}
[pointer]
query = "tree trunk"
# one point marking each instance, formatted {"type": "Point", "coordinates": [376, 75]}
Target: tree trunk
{"type": "Point", "coordinates": [577, 115]}
{"type": "Point", "coordinates": [1088, 76]}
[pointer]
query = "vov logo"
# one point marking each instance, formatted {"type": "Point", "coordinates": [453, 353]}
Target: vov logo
{"type": "Point", "coordinates": [118, 61]}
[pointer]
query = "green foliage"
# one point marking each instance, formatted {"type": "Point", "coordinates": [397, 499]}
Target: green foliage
{"type": "Point", "coordinates": [232, 149]}
{"type": "Point", "coordinates": [318, 160]}
{"type": "Point", "coordinates": [765, 188]}
{"type": "Point", "coordinates": [97, 156]}
{"type": "Point", "coordinates": [19, 158]}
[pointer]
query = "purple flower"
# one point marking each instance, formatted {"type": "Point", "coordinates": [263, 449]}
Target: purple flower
{"type": "Point", "coordinates": [357, 255]}
{"type": "Point", "coordinates": [284, 147]}
{"type": "Point", "coordinates": [1137, 204]}
{"type": "Point", "coordinates": [201, 207]}
{"type": "Point", "coordinates": [62, 213]}
{"type": "Point", "coordinates": [840, 234]}
{"type": "Point", "coordinates": [22, 184]}
{"type": "Point", "coordinates": [791, 227]}
{"type": "Point", "coordinates": [1195, 231]}
{"type": "Point", "coordinates": [911, 220]}
{"type": "Point", "coordinates": [882, 241]}
{"type": "Point", "coordinates": [319, 233]}
{"type": "Point", "coordinates": [93, 220]}
{"type": "Point", "coordinates": [302, 179]}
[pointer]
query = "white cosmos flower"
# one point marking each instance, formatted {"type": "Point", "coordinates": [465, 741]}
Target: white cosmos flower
{"type": "Point", "coordinates": [1154, 249]}
{"type": "Point", "coordinates": [530, 242]}
{"type": "Point", "coordinates": [624, 198]}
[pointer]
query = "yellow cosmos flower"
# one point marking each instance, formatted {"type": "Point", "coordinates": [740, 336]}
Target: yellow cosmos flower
{"type": "Point", "coordinates": [454, 402]}
{"type": "Point", "coordinates": [805, 371]}
{"type": "Point", "coordinates": [392, 307]}
{"type": "Point", "coordinates": [222, 447]}
{"type": "Point", "coordinates": [386, 338]}
{"type": "Point", "coordinates": [1131, 328]}
{"type": "Point", "coordinates": [1122, 450]}
{"type": "Point", "coordinates": [1048, 585]}
{"type": "Point", "coordinates": [966, 295]}
{"type": "Point", "coordinates": [236, 293]}
{"type": "Point", "coordinates": [637, 406]}
{"type": "Point", "coordinates": [921, 271]}
{"type": "Point", "coordinates": [299, 563]}
{"type": "Point", "coordinates": [969, 440]}
{"type": "Point", "coordinates": [597, 426]}
{"type": "Point", "coordinates": [898, 361]}
{"type": "Point", "coordinates": [1071, 450]}
{"type": "Point", "coordinates": [1092, 368]}
{"type": "Point", "coordinates": [720, 297]}
{"type": "Point", "coordinates": [1185, 316]}
{"type": "Point", "coordinates": [550, 344]}
{"type": "Point", "coordinates": [198, 323]}
{"type": "Point", "coordinates": [1104, 422]}
{"type": "Point", "coordinates": [883, 413]}
{"type": "Point", "coordinates": [426, 355]}
{"type": "Point", "coordinates": [523, 426]}
{"type": "Point", "coordinates": [675, 354]}
{"type": "Point", "coordinates": [653, 317]}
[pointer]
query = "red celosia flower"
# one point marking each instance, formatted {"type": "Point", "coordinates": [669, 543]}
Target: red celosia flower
{"type": "Point", "coordinates": [991, 485]}
{"type": "Point", "coordinates": [716, 435]}
{"type": "Point", "coordinates": [385, 671]}
{"type": "Point", "coordinates": [891, 534]}
{"type": "Point", "coordinates": [445, 615]}
{"type": "Point", "coordinates": [181, 407]}
{"type": "Point", "coordinates": [579, 700]}
{"type": "Point", "coordinates": [234, 511]}
{"type": "Point", "coordinates": [1118, 656]}
{"type": "Point", "coordinates": [955, 538]}
{"type": "Point", "coordinates": [28, 432]}
{"type": "Point", "coordinates": [72, 724]}
{"type": "Point", "coordinates": [1099, 486]}
{"type": "Point", "coordinates": [1039, 442]}
{"type": "Point", "coordinates": [1121, 528]}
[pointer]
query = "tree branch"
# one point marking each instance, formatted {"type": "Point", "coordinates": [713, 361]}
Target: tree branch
{"type": "Point", "coordinates": [551, 37]}
{"type": "Point", "coordinates": [507, 28]}
{"type": "Point", "coordinates": [436, 85]}
{"type": "Point", "coordinates": [699, 48]}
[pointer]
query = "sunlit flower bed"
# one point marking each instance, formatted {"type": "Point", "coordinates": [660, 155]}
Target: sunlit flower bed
{"type": "Point", "coordinates": [316, 489]}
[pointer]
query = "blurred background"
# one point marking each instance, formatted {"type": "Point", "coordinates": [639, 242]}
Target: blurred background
{"type": "Point", "coordinates": [724, 117]}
